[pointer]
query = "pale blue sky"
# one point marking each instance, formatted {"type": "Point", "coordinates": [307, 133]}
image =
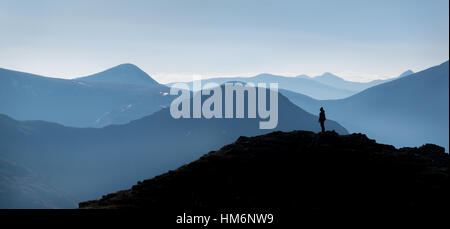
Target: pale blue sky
{"type": "Point", "coordinates": [173, 40]}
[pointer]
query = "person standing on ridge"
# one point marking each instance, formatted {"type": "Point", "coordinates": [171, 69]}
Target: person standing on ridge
{"type": "Point", "coordinates": [322, 119]}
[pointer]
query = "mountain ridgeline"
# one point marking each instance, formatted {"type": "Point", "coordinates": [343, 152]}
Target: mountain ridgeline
{"type": "Point", "coordinates": [115, 96]}
{"type": "Point", "coordinates": [325, 86]}
{"type": "Point", "coordinates": [301, 85]}
{"type": "Point", "coordinates": [122, 74]}
{"type": "Point", "coordinates": [295, 172]}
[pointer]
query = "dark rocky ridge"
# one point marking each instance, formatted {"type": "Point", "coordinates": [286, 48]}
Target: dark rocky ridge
{"type": "Point", "coordinates": [298, 171]}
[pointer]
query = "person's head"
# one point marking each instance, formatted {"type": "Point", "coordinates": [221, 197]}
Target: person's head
{"type": "Point", "coordinates": [321, 109]}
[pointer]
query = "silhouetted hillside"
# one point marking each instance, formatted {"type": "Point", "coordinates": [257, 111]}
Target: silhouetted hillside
{"type": "Point", "coordinates": [298, 171]}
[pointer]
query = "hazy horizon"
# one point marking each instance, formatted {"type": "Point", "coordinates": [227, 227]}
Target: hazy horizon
{"type": "Point", "coordinates": [174, 40]}
{"type": "Point", "coordinates": [191, 77]}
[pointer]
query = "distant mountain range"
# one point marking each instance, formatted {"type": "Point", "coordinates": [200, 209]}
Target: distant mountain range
{"type": "Point", "coordinates": [136, 138]}
{"type": "Point", "coordinates": [326, 86]}
{"type": "Point", "coordinates": [87, 162]}
{"type": "Point", "coordinates": [410, 110]}
{"type": "Point", "coordinates": [337, 82]}
{"type": "Point", "coordinates": [301, 85]}
{"type": "Point", "coordinates": [124, 93]}
{"type": "Point", "coordinates": [115, 96]}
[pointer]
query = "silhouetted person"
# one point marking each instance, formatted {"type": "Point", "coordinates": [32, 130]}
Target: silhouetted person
{"type": "Point", "coordinates": [322, 119]}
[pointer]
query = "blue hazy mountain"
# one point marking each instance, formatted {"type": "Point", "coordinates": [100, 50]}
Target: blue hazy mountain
{"type": "Point", "coordinates": [325, 86]}
{"type": "Point", "coordinates": [305, 86]}
{"type": "Point", "coordinates": [406, 73]}
{"type": "Point", "coordinates": [115, 96]}
{"type": "Point", "coordinates": [335, 81]}
{"type": "Point", "coordinates": [87, 162]}
{"type": "Point", "coordinates": [123, 74]}
{"type": "Point", "coordinates": [410, 110]}
{"type": "Point", "coordinates": [20, 188]}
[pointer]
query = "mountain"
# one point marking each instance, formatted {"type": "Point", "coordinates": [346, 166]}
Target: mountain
{"type": "Point", "coordinates": [92, 101]}
{"type": "Point", "coordinates": [406, 73]}
{"type": "Point", "coordinates": [287, 174]}
{"type": "Point", "coordinates": [22, 188]}
{"type": "Point", "coordinates": [123, 74]}
{"type": "Point", "coordinates": [411, 110]}
{"type": "Point", "coordinates": [325, 86]}
{"type": "Point", "coordinates": [337, 82]}
{"type": "Point", "coordinates": [305, 86]}
{"type": "Point", "coordinates": [87, 162]}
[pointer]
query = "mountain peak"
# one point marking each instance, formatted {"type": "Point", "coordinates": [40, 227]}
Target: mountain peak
{"type": "Point", "coordinates": [124, 73]}
{"type": "Point", "coordinates": [262, 75]}
{"type": "Point", "coordinates": [406, 73]}
{"type": "Point", "coordinates": [126, 66]}
{"type": "Point", "coordinates": [328, 76]}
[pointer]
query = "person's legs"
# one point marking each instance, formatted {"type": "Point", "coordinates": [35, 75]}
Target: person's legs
{"type": "Point", "coordinates": [322, 124]}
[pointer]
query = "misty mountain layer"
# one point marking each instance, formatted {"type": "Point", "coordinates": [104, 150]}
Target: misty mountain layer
{"type": "Point", "coordinates": [115, 96]}
{"type": "Point", "coordinates": [87, 162]}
